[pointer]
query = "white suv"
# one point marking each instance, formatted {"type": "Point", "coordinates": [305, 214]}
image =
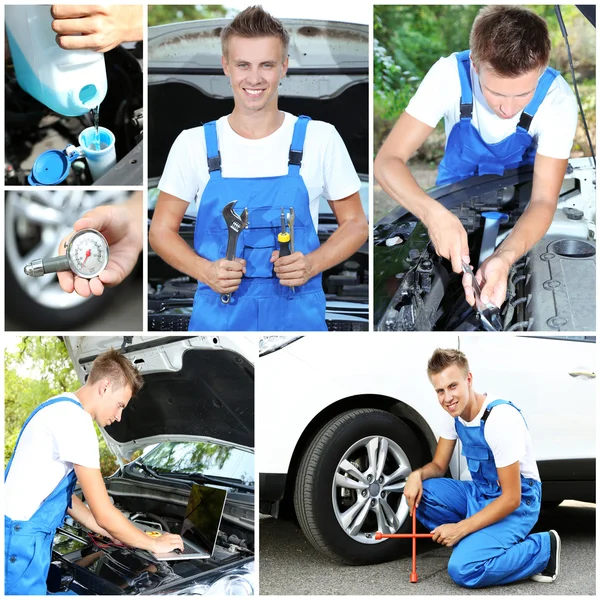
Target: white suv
{"type": "Point", "coordinates": [362, 405]}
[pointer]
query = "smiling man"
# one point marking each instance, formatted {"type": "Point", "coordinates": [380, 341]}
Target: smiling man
{"type": "Point", "coordinates": [56, 447]}
{"type": "Point", "coordinates": [503, 108]}
{"type": "Point", "coordinates": [487, 520]}
{"type": "Point", "coordinates": [269, 162]}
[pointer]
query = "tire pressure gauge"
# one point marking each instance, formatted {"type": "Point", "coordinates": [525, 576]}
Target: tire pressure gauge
{"type": "Point", "coordinates": [86, 255]}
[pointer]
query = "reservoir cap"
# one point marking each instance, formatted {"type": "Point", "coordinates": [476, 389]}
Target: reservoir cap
{"type": "Point", "coordinates": [51, 167]}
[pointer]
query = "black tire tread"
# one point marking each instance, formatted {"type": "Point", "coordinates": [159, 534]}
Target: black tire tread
{"type": "Point", "coordinates": [303, 490]}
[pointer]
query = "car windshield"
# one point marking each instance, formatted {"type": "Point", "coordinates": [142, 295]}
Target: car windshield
{"type": "Point", "coordinates": [202, 458]}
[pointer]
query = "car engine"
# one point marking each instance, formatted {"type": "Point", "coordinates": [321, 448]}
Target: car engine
{"type": "Point", "coordinates": [87, 563]}
{"type": "Point", "coordinates": [551, 288]}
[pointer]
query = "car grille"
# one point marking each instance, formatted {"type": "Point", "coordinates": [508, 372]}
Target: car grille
{"type": "Point", "coordinates": [347, 325]}
{"type": "Point", "coordinates": [168, 323]}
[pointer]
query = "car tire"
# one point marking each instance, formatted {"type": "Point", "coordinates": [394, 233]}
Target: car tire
{"type": "Point", "coordinates": [315, 499]}
{"type": "Point", "coordinates": [29, 314]}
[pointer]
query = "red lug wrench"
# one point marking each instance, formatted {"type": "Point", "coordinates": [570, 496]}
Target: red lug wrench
{"type": "Point", "coordinates": [414, 535]}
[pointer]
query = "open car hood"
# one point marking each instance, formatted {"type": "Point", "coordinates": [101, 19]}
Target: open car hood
{"type": "Point", "coordinates": [315, 45]}
{"type": "Point", "coordinates": [327, 79]}
{"type": "Point", "coordinates": [195, 388]}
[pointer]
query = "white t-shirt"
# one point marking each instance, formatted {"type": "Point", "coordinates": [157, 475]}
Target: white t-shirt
{"type": "Point", "coordinates": [327, 169]}
{"type": "Point", "coordinates": [553, 126]}
{"type": "Point", "coordinates": [56, 438]}
{"type": "Point", "coordinates": [506, 434]}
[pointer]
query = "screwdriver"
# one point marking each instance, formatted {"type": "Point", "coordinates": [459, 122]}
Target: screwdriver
{"type": "Point", "coordinates": [284, 239]}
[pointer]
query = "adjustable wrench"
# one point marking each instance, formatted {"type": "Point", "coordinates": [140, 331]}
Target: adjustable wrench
{"type": "Point", "coordinates": [488, 314]}
{"type": "Point", "coordinates": [235, 224]}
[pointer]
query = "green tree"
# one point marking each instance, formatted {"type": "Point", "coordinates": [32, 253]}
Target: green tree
{"type": "Point", "coordinates": [409, 39]}
{"type": "Point", "coordinates": [37, 369]}
{"type": "Point", "coordinates": [162, 14]}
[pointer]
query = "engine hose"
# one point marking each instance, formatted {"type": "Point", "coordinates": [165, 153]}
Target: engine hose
{"type": "Point", "coordinates": [520, 325]}
{"type": "Point", "coordinates": [518, 301]}
{"type": "Point", "coordinates": [160, 520]}
{"type": "Point", "coordinates": [153, 517]}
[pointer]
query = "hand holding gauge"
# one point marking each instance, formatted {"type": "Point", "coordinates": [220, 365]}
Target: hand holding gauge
{"type": "Point", "coordinates": [86, 255]}
{"type": "Point", "coordinates": [82, 257]}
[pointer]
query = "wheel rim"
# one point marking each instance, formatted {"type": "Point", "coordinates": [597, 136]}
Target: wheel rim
{"type": "Point", "coordinates": [367, 489]}
{"type": "Point", "coordinates": [45, 218]}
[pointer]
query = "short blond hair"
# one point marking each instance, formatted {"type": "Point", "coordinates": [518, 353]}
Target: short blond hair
{"type": "Point", "coordinates": [443, 358]}
{"type": "Point", "coordinates": [511, 40]}
{"type": "Point", "coordinates": [254, 22]}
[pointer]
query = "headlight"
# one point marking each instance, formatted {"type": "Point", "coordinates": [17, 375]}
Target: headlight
{"type": "Point", "coordinates": [271, 343]}
{"type": "Point", "coordinates": [239, 582]}
{"type": "Point", "coordinates": [232, 585]}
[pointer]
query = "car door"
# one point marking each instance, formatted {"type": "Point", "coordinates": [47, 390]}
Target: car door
{"type": "Point", "coordinates": [551, 379]}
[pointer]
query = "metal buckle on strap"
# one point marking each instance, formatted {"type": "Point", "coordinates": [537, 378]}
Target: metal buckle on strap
{"type": "Point", "coordinates": [295, 157]}
{"type": "Point", "coordinates": [525, 121]}
{"type": "Point", "coordinates": [214, 163]}
{"type": "Point", "coordinates": [466, 111]}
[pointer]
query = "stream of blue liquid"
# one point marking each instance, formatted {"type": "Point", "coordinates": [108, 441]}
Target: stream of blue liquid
{"type": "Point", "coordinates": [95, 117]}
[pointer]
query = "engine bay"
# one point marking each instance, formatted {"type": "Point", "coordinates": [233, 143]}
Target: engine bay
{"type": "Point", "coordinates": [87, 563]}
{"type": "Point", "coordinates": [551, 288]}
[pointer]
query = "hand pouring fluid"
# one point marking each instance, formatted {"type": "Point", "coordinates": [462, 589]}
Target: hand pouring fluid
{"type": "Point", "coordinates": [69, 82]}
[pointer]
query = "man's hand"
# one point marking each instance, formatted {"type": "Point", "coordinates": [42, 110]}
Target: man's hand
{"type": "Point", "coordinates": [413, 490]}
{"type": "Point", "coordinates": [99, 27]}
{"type": "Point", "coordinates": [167, 542]}
{"type": "Point", "coordinates": [448, 236]}
{"type": "Point", "coordinates": [121, 225]}
{"type": "Point", "coordinates": [293, 270]}
{"type": "Point", "coordinates": [225, 276]}
{"type": "Point", "coordinates": [492, 277]}
{"type": "Point", "coordinates": [449, 534]}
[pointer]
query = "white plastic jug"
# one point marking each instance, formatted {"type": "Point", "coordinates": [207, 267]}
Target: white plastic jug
{"type": "Point", "coordinates": [69, 82]}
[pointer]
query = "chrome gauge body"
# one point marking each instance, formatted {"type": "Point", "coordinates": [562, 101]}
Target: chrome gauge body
{"type": "Point", "coordinates": [87, 251]}
{"type": "Point", "coordinates": [86, 254]}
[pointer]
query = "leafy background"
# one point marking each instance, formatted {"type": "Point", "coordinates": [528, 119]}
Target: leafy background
{"type": "Point", "coordinates": [409, 39]}
{"type": "Point", "coordinates": [36, 369]}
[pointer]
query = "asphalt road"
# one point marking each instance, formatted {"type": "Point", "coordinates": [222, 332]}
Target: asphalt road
{"type": "Point", "coordinates": [290, 565]}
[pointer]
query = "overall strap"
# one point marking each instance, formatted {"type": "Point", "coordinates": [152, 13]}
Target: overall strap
{"type": "Point", "coordinates": [212, 149]}
{"type": "Point", "coordinates": [297, 147]}
{"type": "Point", "coordinates": [540, 93]}
{"type": "Point", "coordinates": [43, 405]}
{"type": "Point", "coordinates": [491, 405]}
{"type": "Point", "coordinates": [466, 91]}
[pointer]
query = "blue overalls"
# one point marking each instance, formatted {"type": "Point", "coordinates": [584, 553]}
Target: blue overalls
{"type": "Point", "coordinates": [502, 552]}
{"type": "Point", "coordinates": [468, 155]}
{"type": "Point", "coordinates": [28, 544]}
{"type": "Point", "coordinates": [261, 303]}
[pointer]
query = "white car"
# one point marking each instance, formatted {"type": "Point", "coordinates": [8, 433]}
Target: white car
{"type": "Point", "coordinates": [362, 406]}
{"type": "Point", "coordinates": [194, 418]}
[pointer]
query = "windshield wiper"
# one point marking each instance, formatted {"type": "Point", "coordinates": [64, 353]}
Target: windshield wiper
{"type": "Point", "coordinates": [236, 483]}
{"type": "Point", "coordinates": [153, 473]}
{"type": "Point", "coordinates": [147, 469]}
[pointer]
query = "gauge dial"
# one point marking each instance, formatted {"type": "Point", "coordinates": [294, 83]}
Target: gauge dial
{"type": "Point", "coordinates": [87, 253]}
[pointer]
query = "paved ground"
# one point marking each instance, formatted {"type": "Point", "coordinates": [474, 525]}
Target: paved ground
{"type": "Point", "coordinates": [290, 565]}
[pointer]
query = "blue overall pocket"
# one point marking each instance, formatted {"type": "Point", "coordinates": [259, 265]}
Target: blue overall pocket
{"type": "Point", "coordinates": [21, 564]}
{"type": "Point", "coordinates": [259, 241]}
{"type": "Point", "coordinates": [257, 251]}
{"type": "Point", "coordinates": [476, 456]}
